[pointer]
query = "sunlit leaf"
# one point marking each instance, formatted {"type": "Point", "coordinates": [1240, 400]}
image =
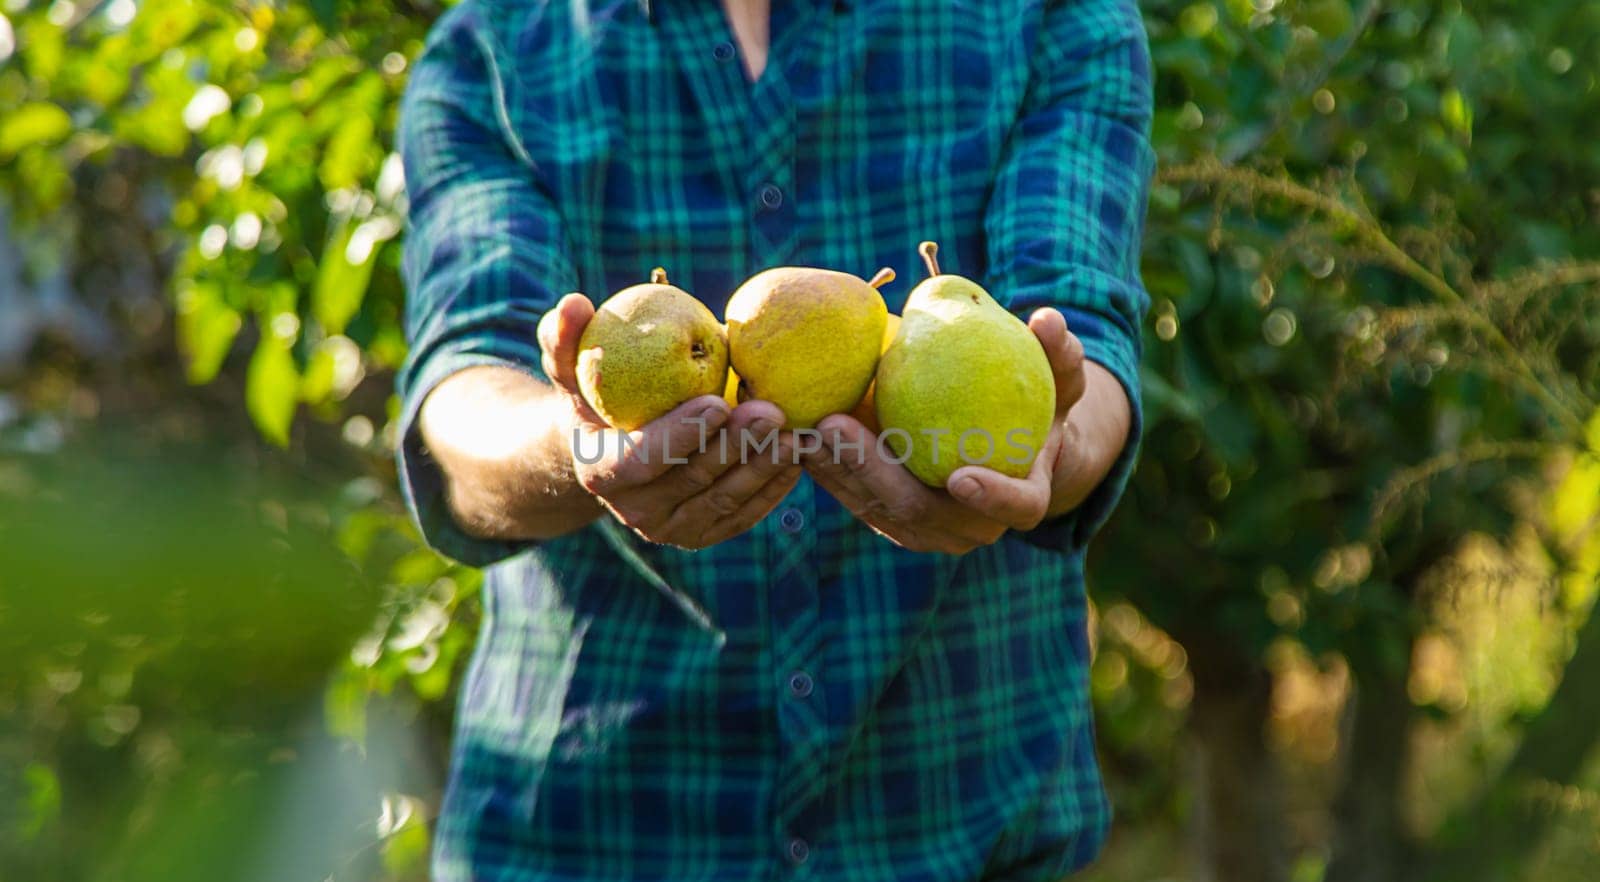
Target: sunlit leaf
{"type": "Point", "coordinates": [207, 327]}
{"type": "Point", "coordinates": [405, 850]}
{"type": "Point", "coordinates": [272, 388]}
{"type": "Point", "coordinates": [43, 800]}
{"type": "Point", "coordinates": [345, 271]}
{"type": "Point", "coordinates": [37, 123]}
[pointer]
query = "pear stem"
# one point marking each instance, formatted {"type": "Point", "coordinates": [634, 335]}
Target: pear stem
{"type": "Point", "coordinates": [883, 277]}
{"type": "Point", "coordinates": [930, 256]}
{"type": "Point", "coordinates": [658, 276]}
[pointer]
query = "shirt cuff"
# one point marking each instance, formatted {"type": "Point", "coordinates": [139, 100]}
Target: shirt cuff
{"type": "Point", "coordinates": [421, 479]}
{"type": "Point", "coordinates": [1115, 346]}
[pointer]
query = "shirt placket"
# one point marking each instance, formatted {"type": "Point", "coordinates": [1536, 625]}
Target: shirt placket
{"type": "Point", "coordinates": [760, 168]}
{"type": "Point", "coordinates": [797, 676]}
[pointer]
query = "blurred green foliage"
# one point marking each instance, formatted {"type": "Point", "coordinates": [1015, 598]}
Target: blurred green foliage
{"type": "Point", "coordinates": [1371, 367]}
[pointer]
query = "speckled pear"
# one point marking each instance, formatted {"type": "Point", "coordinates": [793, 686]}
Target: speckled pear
{"type": "Point", "coordinates": [806, 339]}
{"type": "Point", "coordinates": [648, 349]}
{"type": "Point", "coordinates": [965, 382]}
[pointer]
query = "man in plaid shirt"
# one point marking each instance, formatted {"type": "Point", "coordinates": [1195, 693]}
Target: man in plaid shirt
{"type": "Point", "coordinates": [725, 669]}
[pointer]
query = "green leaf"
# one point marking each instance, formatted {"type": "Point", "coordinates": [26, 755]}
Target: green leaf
{"type": "Point", "coordinates": [349, 156]}
{"type": "Point", "coordinates": [1330, 18]}
{"type": "Point", "coordinates": [37, 123]}
{"type": "Point", "coordinates": [344, 706]}
{"type": "Point", "coordinates": [43, 800]}
{"type": "Point", "coordinates": [405, 851]}
{"type": "Point", "coordinates": [207, 327]}
{"type": "Point", "coordinates": [342, 284]}
{"type": "Point", "coordinates": [1456, 113]}
{"type": "Point", "coordinates": [272, 389]}
{"type": "Point", "coordinates": [316, 384]}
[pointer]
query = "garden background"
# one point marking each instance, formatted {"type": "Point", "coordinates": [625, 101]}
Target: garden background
{"type": "Point", "coordinates": [1342, 619]}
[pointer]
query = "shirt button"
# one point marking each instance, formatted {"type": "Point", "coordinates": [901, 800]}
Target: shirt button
{"type": "Point", "coordinates": [800, 684]}
{"type": "Point", "coordinates": [724, 51]}
{"type": "Point", "coordinates": [798, 851]}
{"type": "Point", "coordinates": [771, 197]}
{"type": "Point", "coordinates": [792, 520]}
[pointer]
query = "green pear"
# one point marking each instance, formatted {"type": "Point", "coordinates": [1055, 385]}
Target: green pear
{"type": "Point", "coordinates": [806, 339]}
{"type": "Point", "coordinates": [648, 349]}
{"type": "Point", "coordinates": [965, 382]}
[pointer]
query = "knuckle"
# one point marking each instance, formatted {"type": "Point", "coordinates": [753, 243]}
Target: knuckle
{"type": "Point", "coordinates": [696, 477]}
{"type": "Point", "coordinates": [909, 509]}
{"type": "Point", "coordinates": [848, 463]}
{"type": "Point", "coordinates": [722, 503]}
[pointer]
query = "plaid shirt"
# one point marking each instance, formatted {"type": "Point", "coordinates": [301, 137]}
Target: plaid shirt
{"type": "Point", "coordinates": [806, 700]}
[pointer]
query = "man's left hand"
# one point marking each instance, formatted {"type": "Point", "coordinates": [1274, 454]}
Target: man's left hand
{"type": "Point", "coordinates": [977, 504]}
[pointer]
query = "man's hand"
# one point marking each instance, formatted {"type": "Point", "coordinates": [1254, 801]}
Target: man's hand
{"type": "Point", "coordinates": [979, 504]}
{"type": "Point", "coordinates": [681, 479]}
{"type": "Point", "coordinates": [891, 500]}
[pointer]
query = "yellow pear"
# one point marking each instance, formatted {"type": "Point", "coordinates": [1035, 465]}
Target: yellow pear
{"type": "Point", "coordinates": [806, 339]}
{"type": "Point", "coordinates": [648, 349]}
{"type": "Point", "coordinates": [866, 412]}
{"type": "Point", "coordinates": [965, 382]}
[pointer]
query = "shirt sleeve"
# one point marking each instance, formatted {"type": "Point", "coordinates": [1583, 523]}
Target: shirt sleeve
{"type": "Point", "coordinates": [485, 254]}
{"type": "Point", "coordinates": [1065, 221]}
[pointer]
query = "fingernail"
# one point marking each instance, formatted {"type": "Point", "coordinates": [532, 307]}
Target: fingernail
{"type": "Point", "coordinates": [967, 488]}
{"type": "Point", "coordinates": [712, 413]}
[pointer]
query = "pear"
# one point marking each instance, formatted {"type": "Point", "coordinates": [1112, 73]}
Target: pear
{"type": "Point", "coordinates": [965, 382]}
{"type": "Point", "coordinates": [806, 339]}
{"type": "Point", "coordinates": [648, 349]}
{"type": "Point", "coordinates": [866, 412]}
{"type": "Point", "coordinates": [730, 392]}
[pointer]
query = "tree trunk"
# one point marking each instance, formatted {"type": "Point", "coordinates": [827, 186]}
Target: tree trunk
{"type": "Point", "coordinates": [1238, 825]}
{"type": "Point", "coordinates": [1370, 843]}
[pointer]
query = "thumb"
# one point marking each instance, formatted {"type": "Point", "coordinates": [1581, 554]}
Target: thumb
{"type": "Point", "coordinates": [1065, 352]}
{"type": "Point", "coordinates": [560, 332]}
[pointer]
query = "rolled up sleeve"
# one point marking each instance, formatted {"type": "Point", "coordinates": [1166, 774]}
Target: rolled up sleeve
{"type": "Point", "coordinates": [1065, 221]}
{"type": "Point", "coordinates": [485, 254]}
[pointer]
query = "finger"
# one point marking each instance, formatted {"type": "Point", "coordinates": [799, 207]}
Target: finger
{"type": "Point", "coordinates": [748, 427]}
{"type": "Point", "coordinates": [890, 489]}
{"type": "Point", "coordinates": [754, 509]}
{"type": "Point", "coordinates": [836, 471]}
{"type": "Point", "coordinates": [729, 494]}
{"type": "Point", "coordinates": [903, 535]}
{"type": "Point", "coordinates": [1065, 352]}
{"type": "Point", "coordinates": [560, 332]}
{"type": "Point", "coordinates": [1019, 503]}
{"type": "Point", "coordinates": [634, 459]}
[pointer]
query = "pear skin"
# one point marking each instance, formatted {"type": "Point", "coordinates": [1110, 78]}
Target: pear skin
{"type": "Point", "coordinates": [866, 412]}
{"type": "Point", "coordinates": [965, 382]}
{"type": "Point", "coordinates": [648, 349]}
{"type": "Point", "coordinates": [806, 339]}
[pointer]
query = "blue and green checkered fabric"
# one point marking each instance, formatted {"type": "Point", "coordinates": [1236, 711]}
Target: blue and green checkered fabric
{"type": "Point", "coordinates": [806, 700]}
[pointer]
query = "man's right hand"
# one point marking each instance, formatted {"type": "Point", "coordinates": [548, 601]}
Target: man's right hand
{"type": "Point", "coordinates": [682, 479]}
